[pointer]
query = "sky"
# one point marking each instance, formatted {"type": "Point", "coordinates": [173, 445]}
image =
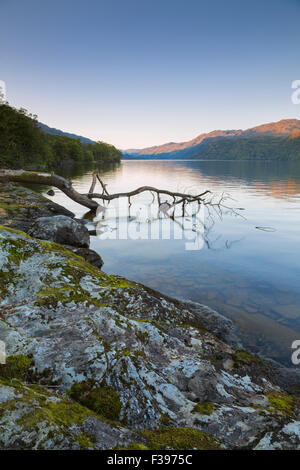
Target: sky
{"type": "Point", "coordinates": [137, 73]}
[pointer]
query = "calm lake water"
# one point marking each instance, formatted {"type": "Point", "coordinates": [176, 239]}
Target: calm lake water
{"type": "Point", "coordinates": [246, 273]}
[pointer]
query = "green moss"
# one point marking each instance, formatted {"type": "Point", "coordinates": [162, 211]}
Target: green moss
{"type": "Point", "coordinates": [14, 231]}
{"type": "Point", "coordinates": [74, 268]}
{"type": "Point", "coordinates": [44, 410]}
{"type": "Point", "coordinates": [13, 208]}
{"type": "Point", "coordinates": [139, 320]}
{"type": "Point", "coordinates": [206, 357]}
{"type": "Point", "coordinates": [165, 420]}
{"type": "Point", "coordinates": [50, 297]}
{"type": "Point", "coordinates": [7, 280]}
{"type": "Point", "coordinates": [22, 194]}
{"type": "Point", "coordinates": [70, 270]}
{"type": "Point", "coordinates": [15, 249]}
{"type": "Point", "coordinates": [17, 367]}
{"type": "Point", "coordinates": [85, 441]}
{"type": "Point", "coordinates": [281, 402]}
{"type": "Point", "coordinates": [133, 446]}
{"type": "Point", "coordinates": [125, 352]}
{"type": "Point", "coordinates": [63, 412]}
{"type": "Point", "coordinates": [244, 357]}
{"type": "Point", "coordinates": [103, 400]}
{"type": "Point", "coordinates": [10, 382]}
{"type": "Point", "coordinates": [205, 408]}
{"type": "Point", "coordinates": [179, 439]}
{"type": "Point", "coordinates": [57, 248]}
{"type": "Point", "coordinates": [46, 377]}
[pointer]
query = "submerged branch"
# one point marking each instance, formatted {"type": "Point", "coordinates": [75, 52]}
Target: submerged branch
{"type": "Point", "coordinates": [142, 189]}
{"type": "Point", "coordinates": [87, 200]}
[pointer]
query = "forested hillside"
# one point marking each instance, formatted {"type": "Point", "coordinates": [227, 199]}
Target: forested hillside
{"type": "Point", "coordinates": [275, 140]}
{"type": "Point", "coordinates": [252, 148]}
{"type": "Point", "coordinates": [23, 144]}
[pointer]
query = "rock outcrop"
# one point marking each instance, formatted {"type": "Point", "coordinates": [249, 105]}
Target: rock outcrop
{"type": "Point", "coordinates": [97, 361]}
{"type": "Point", "coordinates": [61, 229]}
{"type": "Point", "coordinates": [20, 206]}
{"type": "Point", "coordinates": [24, 209]}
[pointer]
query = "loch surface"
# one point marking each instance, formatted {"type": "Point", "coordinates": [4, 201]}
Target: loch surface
{"type": "Point", "coordinates": [248, 268]}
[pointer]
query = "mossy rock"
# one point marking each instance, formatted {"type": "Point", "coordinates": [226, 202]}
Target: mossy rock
{"type": "Point", "coordinates": [179, 439]}
{"type": "Point", "coordinates": [133, 446]}
{"type": "Point", "coordinates": [205, 408]}
{"type": "Point", "coordinates": [281, 402]}
{"type": "Point", "coordinates": [103, 400]}
{"type": "Point", "coordinates": [13, 209]}
{"type": "Point", "coordinates": [42, 411]}
{"type": "Point", "coordinates": [244, 357]}
{"type": "Point", "coordinates": [15, 249]}
{"type": "Point", "coordinates": [16, 367]}
{"type": "Point", "coordinates": [165, 420]}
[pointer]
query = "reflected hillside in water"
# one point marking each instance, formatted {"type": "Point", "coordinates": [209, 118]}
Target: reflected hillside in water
{"type": "Point", "coordinates": [279, 180]}
{"type": "Point", "coordinates": [276, 179]}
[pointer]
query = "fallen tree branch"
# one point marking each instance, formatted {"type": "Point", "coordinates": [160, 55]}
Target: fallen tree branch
{"type": "Point", "coordinates": [104, 190]}
{"type": "Point", "coordinates": [48, 179]}
{"type": "Point", "coordinates": [94, 181]}
{"type": "Point", "coordinates": [142, 189]}
{"type": "Point", "coordinates": [86, 200]}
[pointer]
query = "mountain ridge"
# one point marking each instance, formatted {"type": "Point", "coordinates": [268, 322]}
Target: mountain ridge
{"type": "Point", "coordinates": [282, 128]}
{"type": "Point", "coordinates": [54, 131]}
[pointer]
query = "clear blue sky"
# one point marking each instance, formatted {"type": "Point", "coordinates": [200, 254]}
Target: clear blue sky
{"type": "Point", "coordinates": [142, 72]}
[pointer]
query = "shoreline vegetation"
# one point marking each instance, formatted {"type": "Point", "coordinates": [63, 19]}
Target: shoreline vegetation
{"type": "Point", "coordinates": [23, 144]}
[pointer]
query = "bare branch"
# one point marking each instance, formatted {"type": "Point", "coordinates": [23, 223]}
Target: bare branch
{"type": "Point", "coordinates": [49, 179]}
{"type": "Point", "coordinates": [92, 188]}
{"type": "Point", "coordinates": [104, 190]}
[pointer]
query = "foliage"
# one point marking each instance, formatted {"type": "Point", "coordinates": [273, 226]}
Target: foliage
{"type": "Point", "coordinates": [179, 439]}
{"type": "Point", "coordinates": [281, 402]}
{"type": "Point", "coordinates": [16, 367]}
{"type": "Point", "coordinates": [251, 148]}
{"type": "Point", "coordinates": [205, 408]}
{"type": "Point", "coordinates": [24, 145]}
{"type": "Point", "coordinates": [133, 446]}
{"type": "Point", "coordinates": [103, 400]}
{"type": "Point", "coordinates": [244, 357]}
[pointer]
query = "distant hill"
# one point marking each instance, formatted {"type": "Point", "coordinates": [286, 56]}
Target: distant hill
{"type": "Point", "coordinates": [53, 131]}
{"type": "Point", "coordinates": [272, 140]}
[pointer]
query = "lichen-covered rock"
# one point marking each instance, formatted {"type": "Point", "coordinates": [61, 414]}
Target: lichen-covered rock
{"type": "Point", "coordinates": [89, 255]}
{"type": "Point", "coordinates": [221, 326]}
{"type": "Point", "coordinates": [96, 338]}
{"type": "Point", "coordinates": [33, 418]}
{"type": "Point", "coordinates": [287, 438]}
{"type": "Point", "coordinates": [20, 206]}
{"type": "Point", "coordinates": [60, 229]}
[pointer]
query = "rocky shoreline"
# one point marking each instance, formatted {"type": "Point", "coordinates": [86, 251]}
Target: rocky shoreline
{"type": "Point", "coordinates": [95, 361]}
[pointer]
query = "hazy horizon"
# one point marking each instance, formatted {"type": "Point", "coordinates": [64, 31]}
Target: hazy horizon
{"type": "Point", "coordinates": [139, 74]}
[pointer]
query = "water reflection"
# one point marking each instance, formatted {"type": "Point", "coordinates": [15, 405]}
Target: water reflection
{"type": "Point", "coordinates": [250, 275]}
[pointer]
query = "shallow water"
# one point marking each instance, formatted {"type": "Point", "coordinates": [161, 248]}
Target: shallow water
{"type": "Point", "coordinates": [248, 274]}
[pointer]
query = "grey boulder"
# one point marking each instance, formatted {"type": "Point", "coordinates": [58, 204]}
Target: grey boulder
{"type": "Point", "coordinates": [60, 229]}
